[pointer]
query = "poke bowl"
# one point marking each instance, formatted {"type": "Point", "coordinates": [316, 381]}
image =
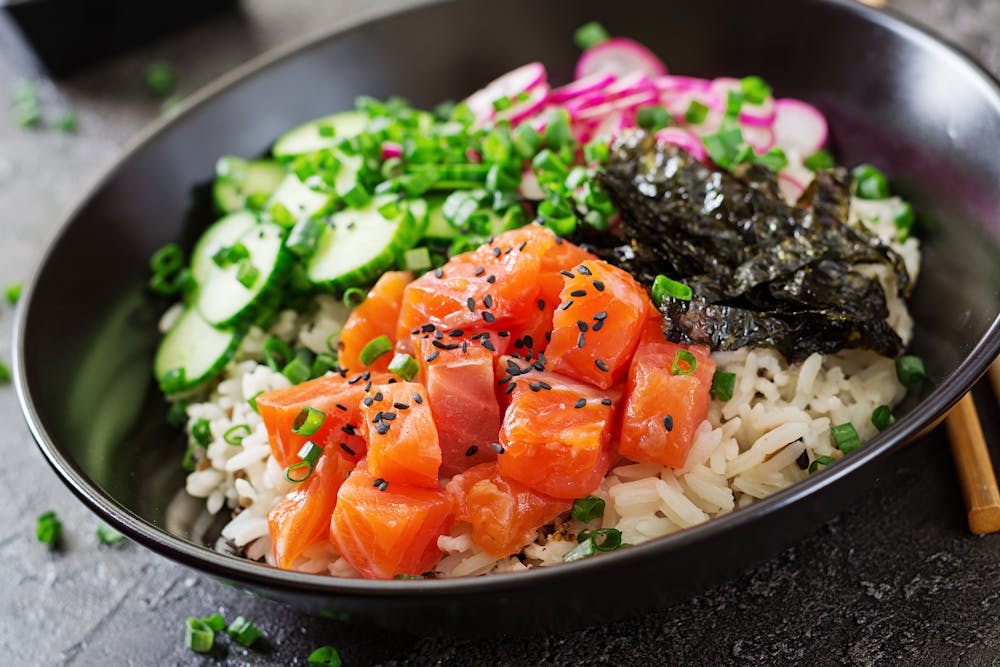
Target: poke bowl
{"type": "Point", "coordinates": [700, 337]}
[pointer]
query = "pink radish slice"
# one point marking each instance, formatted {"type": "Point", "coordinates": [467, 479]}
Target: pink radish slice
{"type": "Point", "coordinates": [472, 155]}
{"type": "Point", "coordinates": [685, 140]}
{"type": "Point", "coordinates": [612, 124]}
{"type": "Point", "coordinates": [672, 83]}
{"type": "Point", "coordinates": [529, 188]}
{"type": "Point", "coordinates": [761, 139]}
{"type": "Point", "coordinates": [760, 115]}
{"type": "Point", "coordinates": [597, 113]}
{"type": "Point", "coordinates": [511, 84]}
{"type": "Point", "coordinates": [799, 126]}
{"type": "Point", "coordinates": [591, 84]}
{"type": "Point", "coordinates": [630, 84]}
{"type": "Point", "coordinates": [619, 56]}
{"type": "Point", "coordinates": [679, 104]}
{"type": "Point", "coordinates": [790, 188]}
{"type": "Point", "coordinates": [796, 170]}
{"type": "Point", "coordinates": [537, 98]}
{"type": "Point", "coordinates": [391, 149]}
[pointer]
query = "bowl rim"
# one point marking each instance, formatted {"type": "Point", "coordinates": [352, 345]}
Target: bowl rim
{"type": "Point", "coordinates": [232, 568]}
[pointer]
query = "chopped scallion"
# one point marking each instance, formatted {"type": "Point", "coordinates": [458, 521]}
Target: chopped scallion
{"type": "Point", "coordinates": [13, 292]}
{"type": "Point", "coordinates": [819, 160]}
{"type": "Point", "coordinates": [405, 366]}
{"type": "Point", "coordinates": [160, 79]}
{"type": "Point", "coordinates": [723, 384]}
{"type": "Point", "coordinates": [298, 370]}
{"type": "Point", "coordinates": [5, 374]}
{"type": "Point", "coordinates": [298, 472]}
{"type": "Point", "coordinates": [276, 353]}
{"type": "Point", "coordinates": [653, 118]}
{"type": "Point", "coordinates": [310, 452]}
{"type": "Point", "coordinates": [590, 34]}
{"type": "Point", "coordinates": [354, 297]}
{"type": "Point", "coordinates": [324, 656]}
{"type": "Point", "coordinates": [247, 274]}
{"type": "Point", "coordinates": [201, 431]}
{"type": "Point", "coordinates": [322, 364]}
{"type": "Point", "coordinates": [664, 287]}
{"type": "Point", "coordinates": [375, 348]}
{"type": "Point", "coordinates": [167, 259]}
{"type": "Point", "coordinates": [820, 461]}
{"type": "Point", "coordinates": [754, 90]}
{"type": "Point", "coordinates": [198, 635]}
{"type": "Point", "coordinates": [882, 417]}
{"type": "Point", "coordinates": [846, 437]}
{"type": "Point", "coordinates": [252, 401]}
{"type": "Point", "coordinates": [774, 159]}
{"type": "Point", "coordinates": [108, 535]}
{"type": "Point", "coordinates": [904, 220]}
{"type": "Point", "coordinates": [49, 528]}
{"type": "Point", "coordinates": [587, 509]}
{"type": "Point", "coordinates": [696, 112]}
{"type": "Point", "coordinates": [308, 421]}
{"type": "Point", "coordinates": [910, 370]}
{"type": "Point", "coordinates": [234, 435]}
{"type": "Point", "coordinates": [304, 237]}
{"type": "Point", "coordinates": [243, 631]}
{"type": "Point", "coordinates": [684, 363]}
{"type": "Point", "coordinates": [215, 621]}
{"type": "Point", "coordinates": [870, 183]}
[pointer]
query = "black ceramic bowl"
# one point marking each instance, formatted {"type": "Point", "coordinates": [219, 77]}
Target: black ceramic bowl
{"type": "Point", "coordinates": [893, 95]}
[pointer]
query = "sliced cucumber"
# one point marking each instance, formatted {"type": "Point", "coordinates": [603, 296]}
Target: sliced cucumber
{"type": "Point", "coordinates": [223, 300]}
{"type": "Point", "coordinates": [238, 179]}
{"type": "Point", "coordinates": [325, 132]}
{"type": "Point", "coordinates": [359, 244]}
{"type": "Point", "coordinates": [438, 228]}
{"type": "Point", "coordinates": [298, 199]}
{"type": "Point", "coordinates": [192, 353]}
{"type": "Point", "coordinates": [223, 233]}
{"type": "Point", "coordinates": [418, 207]}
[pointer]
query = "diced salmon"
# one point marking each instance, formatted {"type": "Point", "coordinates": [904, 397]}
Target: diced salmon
{"type": "Point", "coordinates": [375, 316]}
{"type": "Point", "coordinates": [402, 439]}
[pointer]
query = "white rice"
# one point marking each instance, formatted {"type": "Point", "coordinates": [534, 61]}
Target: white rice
{"type": "Point", "coordinates": [762, 440]}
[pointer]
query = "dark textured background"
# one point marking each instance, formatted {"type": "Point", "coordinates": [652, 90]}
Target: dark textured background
{"type": "Point", "coordinates": [895, 580]}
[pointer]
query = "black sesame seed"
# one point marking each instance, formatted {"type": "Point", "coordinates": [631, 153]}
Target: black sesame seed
{"type": "Point", "coordinates": [414, 332]}
{"type": "Point", "coordinates": [528, 342]}
{"type": "Point", "coordinates": [527, 357]}
{"type": "Point", "coordinates": [803, 461]}
{"type": "Point", "coordinates": [522, 246]}
{"type": "Point", "coordinates": [465, 347]}
{"type": "Point", "coordinates": [348, 429]}
{"type": "Point", "coordinates": [471, 304]}
{"type": "Point", "coordinates": [598, 325]}
{"type": "Point", "coordinates": [438, 273]}
{"type": "Point", "coordinates": [471, 450]}
{"type": "Point", "coordinates": [566, 305]}
{"type": "Point", "coordinates": [368, 386]}
{"type": "Point", "coordinates": [354, 380]}
{"type": "Point", "coordinates": [601, 365]}
{"type": "Point", "coordinates": [668, 423]}
{"type": "Point", "coordinates": [438, 335]}
{"type": "Point", "coordinates": [601, 315]}
{"type": "Point", "coordinates": [578, 292]}
{"type": "Point", "coordinates": [367, 375]}
{"type": "Point", "coordinates": [507, 250]}
{"type": "Point", "coordinates": [378, 396]}
{"type": "Point", "coordinates": [496, 252]}
{"type": "Point", "coordinates": [488, 317]}
{"type": "Point", "coordinates": [378, 482]}
{"type": "Point", "coordinates": [444, 346]}
{"type": "Point", "coordinates": [432, 356]}
{"type": "Point", "coordinates": [488, 301]}
{"type": "Point", "coordinates": [401, 406]}
{"type": "Point", "coordinates": [377, 418]}
{"type": "Point", "coordinates": [535, 386]}
{"type": "Point", "coordinates": [567, 274]}
{"type": "Point", "coordinates": [382, 428]}
{"type": "Point", "coordinates": [341, 407]}
{"type": "Point", "coordinates": [383, 486]}
{"type": "Point", "coordinates": [581, 325]}
{"type": "Point", "coordinates": [541, 304]}
{"type": "Point", "coordinates": [510, 388]}
{"type": "Point", "coordinates": [389, 415]}
{"type": "Point", "coordinates": [584, 270]}
{"type": "Point", "coordinates": [391, 381]}
{"type": "Point", "coordinates": [427, 328]}
{"type": "Point", "coordinates": [417, 398]}
{"type": "Point", "coordinates": [580, 403]}
{"type": "Point", "coordinates": [598, 285]}
{"type": "Point", "coordinates": [581, 340]}
{"type": "Point", "coordinates": [505, 379]}
{"type": "Point", "coordinates": [456, 333]}
{"type": "Point", "coordinates": [548, 336]}
{"type": "Point", "coordinates": [491, 279]}
{"type": "Point", "coordinates": [347, 449]}
{"type": "Point", "coordinates": [479, 271]}
{"type": "Point", "coordinates": [559, 240]}
{"type": "Point", "coordinates": [497, 447]}
{"type": "Point", "coordinates": [489, 346]}
{"type": "Point", "coordinates": [503, 334]}
{"type": "Point", "coordinates": [605, 401]}
{"type": "Point", "coordinates": [368, 401]}
{"type": "Point", "coordinates": [519, 343]}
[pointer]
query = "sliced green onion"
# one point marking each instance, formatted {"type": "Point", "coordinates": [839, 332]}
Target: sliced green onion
{"type": "Point", "coordinates": [882, 417]}
{"type": "Point", "coordinates": [49, 528]}
{"type": "Point", "coordinates": [304, 237]}
{"type": "Point", "coordinates": [583, 550]}
{"type": "Point", "coordinates": [298, 370]}
{"type": "Point", "coordinates": [234, 436]}
{"type": "Point", "coordinates": [13, 292]}
{"type": "Point", "coordinates": [590, 34]}
{"type": "Point", "coordinates": [247, 274]}
{"type": "Point", "coordinates": [325, 656]}
{"type": "Point", "coordinates": [774, 159]}
{"type": "Point", "coordinates": [187, 463]}
{"type": "Point", "coordinates": [322, 364]}
{"type": "Point", "coordinates": [503, 177]}
{"type": "Point", "coordinates": [308, 421]}
{"type": "Point", "coordinates": [177, 414]}
{"type": "Point", "coordinates": [910, 370]}
{"type": "Point", "coordinates": [526, 140]}
{"type": "Point", "coordinates": [277, 353]}
{"type": "Point", "coordinates": [870, 183]}
{"type": "Point", "coordinates": [502, 103]}
{"type": "Point", "coordinates": [587, 509]}
{"type": "Point", "coordinates": [357, 196]}
{"type": "Point", "coordinates": [201, 430]}
{"type": "Point", "coordinates": [243, 631]}
{"type": "Point", "coordinates": [405, 366]}
{"type": "Point", "coordinates": [354, 297]}
{"type": "Point", "coordinates": [298, 472]}
{"type": "Point", "coordinates": [375, 348]}
{"type": "Point", "coordinates": [754, 90]}
{"type": "Point", "coordinates": [198, 636]}
{"type": "Point", "coordinates": [734, 102]}
{"type": "Point", "coordinates": [696, 112]}
{"type": "Point", "coordinates": [167, 259]}
{"type": "Point", "coordinates": [108, 535]}
{"type": "Point", "coordinates": [331, 342]}
{"type": "Point", "coordinates": [310, 452]}
{"type": "Point", "coordinates": [417, 259]}
{"type": "Point", "coordinates": [664, 287]}
{"type": "Point", "coordinates": [5, 374]}
{"type": "Point", "coordinates": [821, 461]}
{"type": "Point", "coordinates": [846, 437]}
{"type": "Point", "coordinates": [558, 133]}
{"type": "Point", "coordinates": [904, 220]}
{"type": "Point", "coordinates": [237, 252]}
{"type": "Point", "coordinates": [819, 160]}
{"type": "Point", "coordinates": [723, 384]}
{"type": "Point", "coordinates": [252, 401]}
{"type": "Point", "coordinates": [723, 146]}
{"type": "Point", "coordinates": [653, 118]}
{"type": "Point", "coordinates": [160, 79]}
{"type": "Point", "coordinates": [689, 361]}
{"type": "Point", "coordinates": [215, 621]}
{"type": "Point", "coordinates": [281, 215]}
{"type": "Point", "coordinates": [596, 151]}
{"type": "Point", "coordinates": [605, 539]}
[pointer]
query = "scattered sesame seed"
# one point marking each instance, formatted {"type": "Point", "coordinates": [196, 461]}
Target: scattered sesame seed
{"type": "Point", "coordinates": [383, 486]}
{"type": "Point", "coordinates": [538, 366]}
{"type": "Point", "coordinates": [382, 428]}
{"type": "Point", "coordinates": [341, 406]}
{"type": "Point", "coordinates": [510, 388]}
{"type": "Point", "coordinates": [535, 386]}
{"type": "Point", "coordinates": [598, 325]}
{"type": "Point", "coordinates": [347, 449]}
{"type": "Point", "coordinates": [488, 317]}
{"type": "Point", "coordinates": [465, 347]}
{"type": "Point", "coordinates": [491, 279]}
{"type": "Point", "coordinates": [522, 246]}
{"type": "Point", "coordinates": [581, 340]}
{"type": "Point", "coordinates": [489, 346]}
{"type": "Point", "coordinates": [417, 398]}
{"type": "Point", "coordinates": [427, 328]}
{"type": "Point", "coordinates": [456, 333]}
{"type": "Point", "coordinates": [668, 423]}
{"type": "Point", "coordinates": [567, 274]}
{"type": "Point", "coordinates": [507, 250]}
{"type": "Point", "coordinates": [578, 292]}
{"type": "Point", "coordinates": [389, 415]}
{"type": "Point", "coordinates": [471, 304]}
{"type": "Point", "coordinates": [541, 304]}
{"type": "Point", "coordinates": [566, 305]}
{"type": "Point", "coordinates": [580, 403]}
{"type": "Point", "coordinates": [598, 285]}
{"type": "Point", "coordinates": [368, 401]}
{"type": "Point", "coordinates": [348, 429]}
{"type": "Point", "coordinates": [503, 334]}
{"type": "Point", "coordinates": [519, 344]}
{"type": "Point", "coordinates": [605, 401]}
{"type": "Point", "coordinates": [368, 386]}
{"type": "Point", "coordinates": [367, 375]}
{"type": "Point", "coordinates": [377, 418]}
{"type": "Point", "coordinates": [414, 332]}
{"type": "Point", "coordinates": [438, 273]}
{"type": "Point", "coordinates": [378, 396]}
{"type": "Point", "coordinates": [391, 381]}
{"type": "Point", "coordinates": [438, 335]}
{"type": "Point", "coordinates": [601, 365]}
{"type": "Point", "coordinates": [496, 252]}
{"type": "Point", "coordinates": [505, 379]}
{"type": "Point", "coordinates": [471, 450]}
{"type": "Point", "coordinates": [432, 356]}
{"type": "Point", "coordinates": [354, 380]}
{"type": "Point", "coordinates": [497, 447]}
{"type": "Point", "coordinates": [479, 271]}
{"type": "Point", "coordinates": [584, 270]}
{"type": "Point", "coordinates": [529, 342]}
{"type": "Point", "coordinates": [401, 406]}
{"type": "Point", "coordinates": [581, 325]}
{"type": "Point", "coordinates": [444, 346]}
{"type": "Point", "coordinates": [601, 315]}
{"type": "Point", "coordinates": [559, 240]}
{"type": "Point", "coordinates": [548, 336]}
{"type": "Point", "coordinates": [378, 482]}
{"type": "Point", "coordinates": [488, 301]}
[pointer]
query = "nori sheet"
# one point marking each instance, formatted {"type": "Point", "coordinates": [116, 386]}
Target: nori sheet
{"type": "Point", "coordinates": [762, 272]}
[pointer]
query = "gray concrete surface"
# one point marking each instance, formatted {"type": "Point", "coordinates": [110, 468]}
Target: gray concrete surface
{"type": "Point", "coordinates": [894, 580]}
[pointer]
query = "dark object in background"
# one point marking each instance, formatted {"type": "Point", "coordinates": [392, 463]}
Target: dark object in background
{"type": "Point", "coordinates": [65, 36]}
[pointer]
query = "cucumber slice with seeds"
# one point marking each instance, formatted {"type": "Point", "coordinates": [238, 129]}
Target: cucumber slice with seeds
{"type": "Point", "coordinates": [359, 244]}
{"type": "Point", "coordinates": [224, 300]}
{"type": "Point", "coordinates": [223, 233]}
{"type": "Point", "coordinates": [320, 133]}
{"type": "Point", "coordinates": [238, 179]}
{"type": "Point", "coordinates": [192, 353]}
{"type": "Point", "coordinates": [298, 199]}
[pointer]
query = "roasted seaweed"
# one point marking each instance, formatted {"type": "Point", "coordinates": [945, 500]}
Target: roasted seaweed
{"type": "Point", "coordinates": [762, 272]}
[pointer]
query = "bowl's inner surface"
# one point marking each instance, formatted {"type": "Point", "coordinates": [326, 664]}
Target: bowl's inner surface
{"type": "Point", "coordinates": [915, 110]}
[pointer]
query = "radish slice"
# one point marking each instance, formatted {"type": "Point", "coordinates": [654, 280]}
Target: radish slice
{"type": "Point", "coordinates": [391, 149]}
{"type": "Point", "coordinates": [761, 139]}
{"type": "Point", "coordinates": [619, 56]}
{"type": "Point", "coordinates": [799, 126]}
{"type": "Point", "coordinates": [790, 188]}
{"type": "Point", "coordinates": [612, 124]}
{"type": "Point", "coordinates": [796, 170]}
{"type": "Point", "coordinates": [673, 83]}
{"type": "Point", "coordinates": [760, 115]}
{"type": "Point", "coordinates": [678, 105]}
{"type": "Point", "coordinates": [629, 84]}
{"type": "Point", "coordinates": [685, 140]}
{"type": "Point", "coordinates": [529, 188]}
{"type": "Point", "coordinates": [537, 98]}
{"type": "Point", "coordinates": [597, 113]}
{"type": "Point", "coordinates": [513, 83]}
{"type": "Point", "coordinates": [591, 84]}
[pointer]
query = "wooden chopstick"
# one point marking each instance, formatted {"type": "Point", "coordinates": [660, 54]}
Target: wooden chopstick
{"type": "Point", "coordinates": [975, 471]}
